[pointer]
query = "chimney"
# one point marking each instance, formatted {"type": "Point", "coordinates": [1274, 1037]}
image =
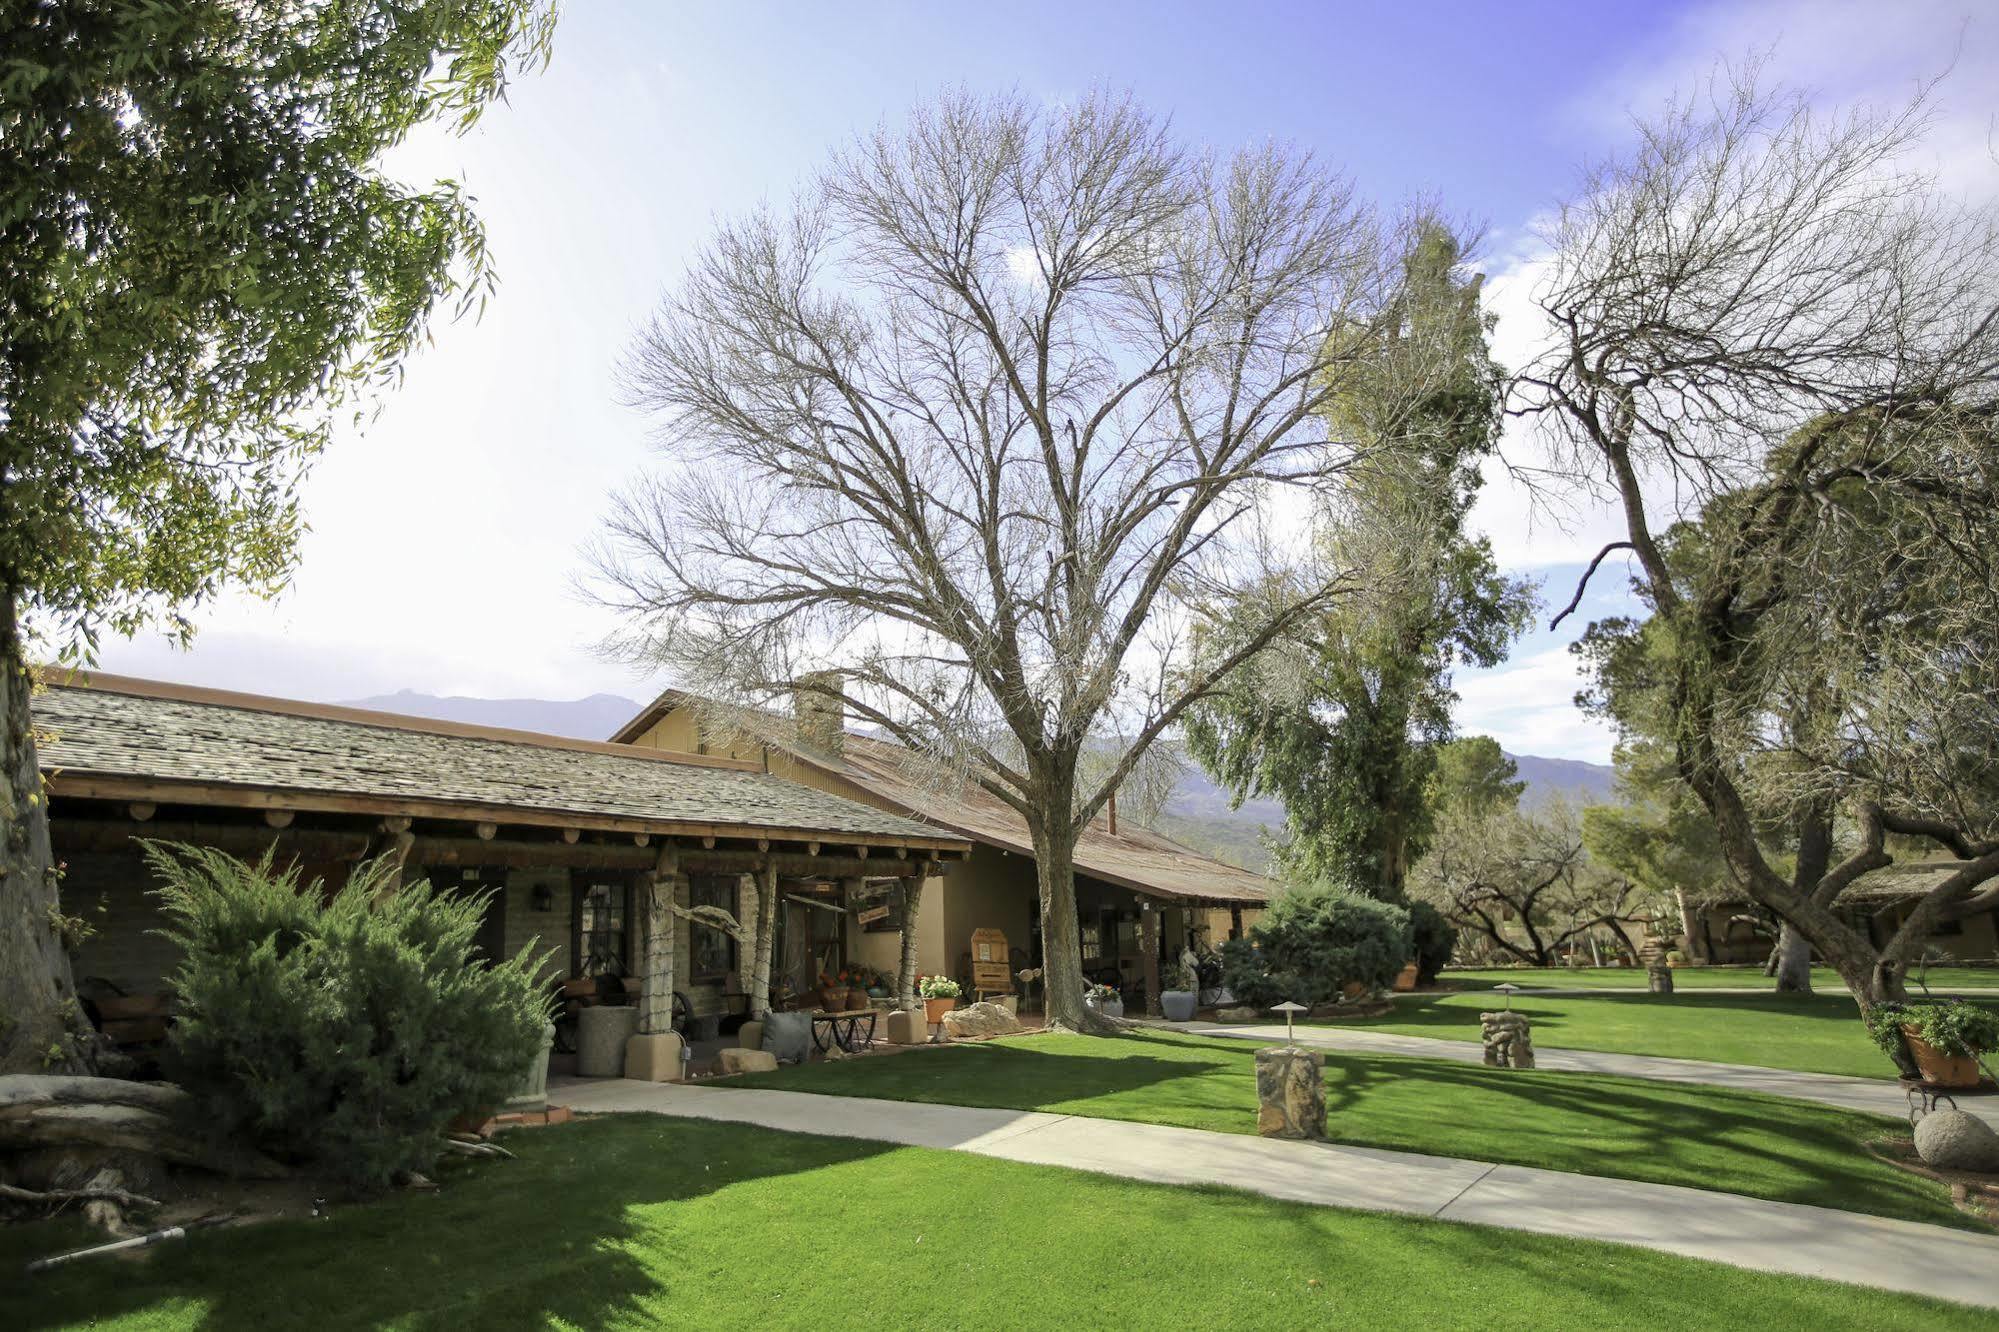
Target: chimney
{"type": "Point", "coordinates": [821, 715]}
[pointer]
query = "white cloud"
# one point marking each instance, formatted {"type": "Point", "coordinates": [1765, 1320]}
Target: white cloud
{"type": "Point", "coordinates": [1528, 706]}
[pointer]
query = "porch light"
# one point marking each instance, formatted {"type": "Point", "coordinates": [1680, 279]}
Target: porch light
{"type": "Point", "coordinates": [1287, 1008]}
{"type": "Point", "coordinates": [543, 898]}
{"type": "Point", "coordinates": [1508, 989]}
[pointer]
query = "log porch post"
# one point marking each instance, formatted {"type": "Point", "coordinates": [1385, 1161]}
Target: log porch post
{"type": "Point", "coordinates": [660, 887]}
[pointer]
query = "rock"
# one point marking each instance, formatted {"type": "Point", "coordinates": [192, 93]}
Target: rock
{"type": "Point", "coordinates": [734, 1060]}
{"type": "Point", "coordinates": [1290, 1092]}
{"type": "Point", "coordinates": [1508, 1043]}
{"type": "Point", "coordinates": [1242, 1014]}
{"type": "Point", "coordinates": [981, 1019]}
{"type": "Point", "coordinates": [1954, 1140]}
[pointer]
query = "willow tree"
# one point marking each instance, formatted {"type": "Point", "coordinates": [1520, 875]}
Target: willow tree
{"type": "Point", "coordinates": [960, 441]}
{"type": "Point", "coordinates": [200, 261]}
{"type": "Point", "coordinates": [1763, 318]}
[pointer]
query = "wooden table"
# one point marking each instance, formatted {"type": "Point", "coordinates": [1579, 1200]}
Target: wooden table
{"type": "Point", "coordinates": [845, 1029]}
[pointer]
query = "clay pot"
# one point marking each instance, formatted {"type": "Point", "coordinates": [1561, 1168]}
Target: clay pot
{"type": "Point", "coordinates": [1405, 980]}
{"type": "Point", "coordinates": [1937, 1067]}
{"type": "Point", "coordinates": [1354, 989]}
{"type": "Point", "coordinates": [935, 1009]}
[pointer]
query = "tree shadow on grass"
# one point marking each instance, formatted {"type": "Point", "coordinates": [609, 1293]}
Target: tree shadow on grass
{"type": "Point", "coordinates": [570, 1230]}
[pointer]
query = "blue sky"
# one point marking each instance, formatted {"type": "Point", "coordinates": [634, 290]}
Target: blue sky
{"type": "Point", "coordinates": [444, 541]}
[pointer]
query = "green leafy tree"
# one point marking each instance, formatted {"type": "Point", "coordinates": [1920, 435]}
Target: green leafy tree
{"type": "Point", "coordinates": [1474, 777]}
{"type": "Point", "coordinates": [1658, 836]}
{"type": "Point", "coordinates": [201, 263]}
{"type": "Point", "coordinates": [1342, 721]}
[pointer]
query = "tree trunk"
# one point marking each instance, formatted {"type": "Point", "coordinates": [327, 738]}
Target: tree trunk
{"type": "Point", "coordinates": [1696, 946]}
{"type": "Point", "coordinates": [1794, 962]}
{"type": "Point", "coordinates": [42, 1028]}
{"type": "Point", "coordinates": [911, 893]}
{"type": "Point", "coordinates": [1061, 940]}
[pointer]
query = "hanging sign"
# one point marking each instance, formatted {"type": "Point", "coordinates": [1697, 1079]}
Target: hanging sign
{"type": "Point", "coordinates": [872, 914]}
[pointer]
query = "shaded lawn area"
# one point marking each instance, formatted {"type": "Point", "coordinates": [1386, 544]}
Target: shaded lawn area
{"type": "Point", "coordinates": [1818, 1033]}
{"type": "Point", "coordinates": [644, 1222]}
{"type": "Point", "coordinates": [1702, 1137]}
{"type": "Point", "coordinates": [1941, 980]}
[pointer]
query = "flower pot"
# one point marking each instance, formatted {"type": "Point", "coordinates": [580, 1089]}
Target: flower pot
{"type": "Point", "coordinates": [1110, 1008]}
{"type": "Point", "coordinates": [832, 1000]}
{"type": "Point", "coordinates": [1937, 1067]}
{"type": "Point", "coordinates": [935, 1009]}
{"type": "Point", "coordinates": [532, 1093]}
{"type": "Point", "coordinates": [1178, 1005]}
{"type": "Point", "coordinates": [1354, 989]}
{"type": "Point", "coordinates": [1405, 980]}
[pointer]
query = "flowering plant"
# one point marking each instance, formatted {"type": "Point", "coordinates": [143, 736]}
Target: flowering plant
{"type": "Point", "coordinates": [1103, 994]}
{"type": "Point", "coordinates": [938, 987]}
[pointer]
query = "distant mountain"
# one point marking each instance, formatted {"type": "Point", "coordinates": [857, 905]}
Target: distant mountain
{"type": "Point", "coordinates": [592, 718]}
{"type": "Point", "coordinates": [1578, 782]}
{"type": "Point", "coordinates": [1198, 811]}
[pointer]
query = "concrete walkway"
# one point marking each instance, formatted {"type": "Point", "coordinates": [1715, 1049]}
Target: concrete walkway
{"type": "Point", "coordinates": [1877, 1096]}
{"type": "Point", "coordinates": [1743, 1232]}
{"type": "Point", "coordinates": [1598, 991]}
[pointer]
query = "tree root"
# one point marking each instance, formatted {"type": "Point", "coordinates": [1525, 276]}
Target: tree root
{"type": "Point", "coordinates": [44, 1110]}
{"type": "Point", "coordinates": [474, 1148]}
{"type": "Point", "coordinates": [122, 1197]}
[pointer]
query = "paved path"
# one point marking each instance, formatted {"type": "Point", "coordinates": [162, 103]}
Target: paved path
{"type": "Point", "coordinates": [1598, 991]}
{"type": "Point", "coordinates": [1878, 1096]}
{"type": "Point", "coordinates": [1743, 1232]}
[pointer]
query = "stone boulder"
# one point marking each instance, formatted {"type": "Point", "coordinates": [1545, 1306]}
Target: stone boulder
{"type": "Point", "coordinates": [1954, 1140]}
{"type": "Point", "coordinates": [737, 1060]}
{"type": "Point", "coordinates": [1290, 1092]}
{"type": "Point", "coordinates": [981, 1019]}
{"type": "Point", "coordinates": [1243, 1014]}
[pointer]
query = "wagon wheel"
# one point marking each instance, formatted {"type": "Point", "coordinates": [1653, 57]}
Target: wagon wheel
{"type": "Point", "coordinates": [682, 1018]}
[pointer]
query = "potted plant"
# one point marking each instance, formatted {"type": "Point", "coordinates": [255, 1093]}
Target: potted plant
{"type": "Point", "coordinates": [1181, 993]}
{"type": "Point", "coordinates": [1105, 999]}
{"type": "Point", "coordinates": [1944, 1038]}
{"type": "Point", "coordinates": [940, 996]}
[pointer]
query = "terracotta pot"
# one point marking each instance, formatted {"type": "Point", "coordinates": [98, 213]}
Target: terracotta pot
{"type": "Point", "coordinates": [1354, 989]}
{"type": "Point", "coordinates": [857, 998]}
{"type": "Point", "coordinates": [935, 1009]}
{"type": "Point", "coordinates": [1936, 1066]}
{"type": "Point", "coordinates": [832, 1000]}
{"type": "Point", "coordinates": [1405, 980]}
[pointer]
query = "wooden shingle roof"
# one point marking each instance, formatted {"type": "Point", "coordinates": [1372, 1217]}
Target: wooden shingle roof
{"type": "Point", "coordinates": [116, 738]}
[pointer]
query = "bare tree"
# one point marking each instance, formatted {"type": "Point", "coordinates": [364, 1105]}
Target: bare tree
{"type": "Point", "coordinates": [1761, 319]}
{"type": "Point", "coordinates": [962, 441]}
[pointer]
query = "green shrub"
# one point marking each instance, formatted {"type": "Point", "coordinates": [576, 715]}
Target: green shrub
{"type": "Point", "coordinates": [1313, 942]}
{"type": "Point", "coordinates": [1434, 937]}
{"type": "Point", "coordinates": [1953, 1027]}
{"type": "Point", "coordinates": [338, 1031]}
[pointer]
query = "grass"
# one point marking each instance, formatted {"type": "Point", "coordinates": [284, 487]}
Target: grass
{"type": "Point", "coordinates": [1941, 980]}
{"type": "Point", "coordinates": [638, 1222]}
{"type": "Point", "coordinates": [1819, 1033]}
{"type": "Point", "coordinates": [1628, 1128]}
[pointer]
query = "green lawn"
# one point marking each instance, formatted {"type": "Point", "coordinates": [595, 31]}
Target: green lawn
{"type": "Point", "coordinates": [1819, 1033]}
{"type": "Point", "coordinates": [639, 1222]}
{"type": "Point", "coordinates": [1703, 1137]}
{"type": "Point", "coordinates": [1942, 980]}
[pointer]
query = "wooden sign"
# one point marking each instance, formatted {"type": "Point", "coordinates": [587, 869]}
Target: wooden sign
{"type": "Point", "coordinates": [990, 969]}
{"type": "Point", "coordinates": [872, 914]}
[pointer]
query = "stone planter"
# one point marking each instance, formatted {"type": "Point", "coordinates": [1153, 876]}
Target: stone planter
{"type": "Point", "coordinates": [601, 1034]}
{"type": "Point", "coordinates": [1291, 1093]}
{"type": "Point", "coordinates": [532, 1094]}
{"type": "Point", "coordinates": [1010, 1002]}
{"type": "Point", "coordinates": [1178, 1005]}
{"type": "Point", "coordinates": [1943, 1070]}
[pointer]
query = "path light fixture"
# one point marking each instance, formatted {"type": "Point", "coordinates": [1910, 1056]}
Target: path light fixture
{"type": "Point", "coordinates": [1509, 989]}
{"type": "Point", "coordinates": [1287, 1008]}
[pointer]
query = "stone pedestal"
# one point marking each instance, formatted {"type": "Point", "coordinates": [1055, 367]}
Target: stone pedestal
{"type": "Point", "coordinates": [750, 1036]}
{"type": "Point", "coordinates": [1508, 1042]}
{"type": "Point", "coordinates": [654, 1058]}
{"type": "Point", "coordinates": [601, 1034]}
{"type": "Point", "coordinates": [1659, 978]}
{"type": "Point", "coordinates": [1290, 1092]}
{"type": "Point", "coordinates": [907, 1028]}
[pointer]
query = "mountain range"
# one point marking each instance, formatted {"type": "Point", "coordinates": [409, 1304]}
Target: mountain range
{"type": "Point", "coordinates": [1198, 812]}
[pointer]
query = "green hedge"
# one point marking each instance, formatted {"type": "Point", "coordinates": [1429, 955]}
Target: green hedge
{"type": "Point", "coordinates": [1313, 942]}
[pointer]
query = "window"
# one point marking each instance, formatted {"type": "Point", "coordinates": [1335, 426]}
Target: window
{"type": "Point", "coordinates": [711, 952]}
{"type": "Point", "coordinates": [601, 919]}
